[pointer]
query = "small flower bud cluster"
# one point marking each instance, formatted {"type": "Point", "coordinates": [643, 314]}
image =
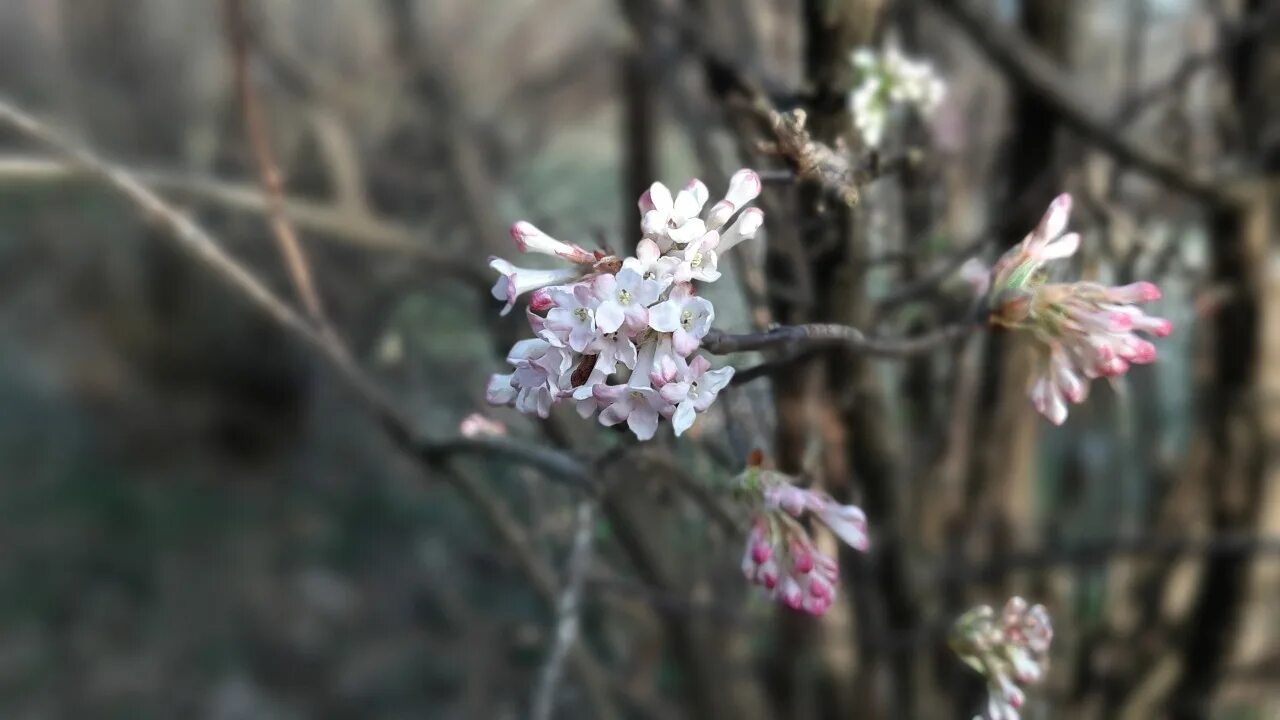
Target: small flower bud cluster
{"type": "Point", "coordinates": [1083, 330]}
{"type": "Point", "coordinates": [889, 80]}
{"type": "Point", "coordinates": [1009, 650]}
{"type": "Point", "coordinates": [780, 555]}
{"type": "Point", "coordinates": [637, 319]}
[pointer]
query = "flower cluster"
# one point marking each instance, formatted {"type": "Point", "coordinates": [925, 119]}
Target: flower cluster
{"type": "Point", "coordinates": [637, 319]}
{"type": "Point", "coordinates": [780, 556]}
{"type": "Point", "coordinates": [889, 80]}
{"type": "Point", "coordinates": [1008, 650]}
{"type": "Point", "coordinates": [1083, 330]}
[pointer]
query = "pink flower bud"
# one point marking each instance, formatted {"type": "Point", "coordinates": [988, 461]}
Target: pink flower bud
{"type": "Point", "coordinates": [540, 300]}
{"type": "Point", "coordinates": [761, 552]}
{"type": "Point", "coordinates": [802, 561]}
{"type": "Point", "coordinates": [1139, 292]}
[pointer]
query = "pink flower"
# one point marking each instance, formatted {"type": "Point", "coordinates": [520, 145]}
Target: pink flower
{"type": "Point", "coordinates": [477, 425]}
{"type": "Point", "coordinates": [529, 238]}
{"type": "Point", "coordinates": [1084, 330]}
{"type": "Point", "coordinates": [1009, 650]}
{"type": "Point", "coordinates": [781, 557]}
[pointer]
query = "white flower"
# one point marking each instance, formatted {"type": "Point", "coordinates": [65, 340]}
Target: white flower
{"type": "Point", "coordinates": [695, 392]}
{"type": "Point", "coordinates": [848, 522]}
{"type": "Point", "coordinates": [699, 260]}
{"type": "Point", "coordinates": [574, 315]}
{"type": "Point", "coordinates": [625, 297]}
{"type": "Point", "coordinates": [744, 228]}
{"type": "Point", "coordinates": [686, 316]}
{"type": "Point", "coordinates": [890, 80]}
{"type": "Point", "coordinates": [516, 281]}
{"type": "Point", "coordinates": [650, 263]}
{"type": "Point", "coordinates": [606, 314]}
{"type": "Point", "coordinates": [744, 187]}
{"type": "Point", "coordinates": [612, 348]}
{"type": "Point", "coordinates": [500, 390]}
{"type": "Point", "coordinates": [639, 407]}
{"type": "Point", "coordinates": [670, 221]}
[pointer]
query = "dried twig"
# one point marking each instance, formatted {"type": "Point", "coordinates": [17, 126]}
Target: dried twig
{"type": "Point", "coordinates": [567, 609]}
{"type": "Point", "coordinates": [255, 125]}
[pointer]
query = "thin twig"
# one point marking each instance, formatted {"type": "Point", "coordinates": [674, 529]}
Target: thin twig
{"type": "Point", "coordinates": [255, 125]}
{"type": "Point", "coordinates": [327, 221]}
{"type": "Point", "coordinates": [203, 248]}
{"type": "Point", "coordinates": [816, 335]}
{"type": "Point", "coordinates": [1028, 67]}
{"type": "Point", "coordinates": [567, 610]}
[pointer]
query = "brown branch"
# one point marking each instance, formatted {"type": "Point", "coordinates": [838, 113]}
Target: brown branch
{"type": "Point", "coordinates": [255, 125]}
{"type": "Point", "coordinates": [567, 611]}
{"type": "Point", "coordinates": [202, 247]}
{"type": "Point", "coordinates": [327, 221]}
{"type": "Point", "coordinates": [1030, 68]}
{"type": "Point", "coordinates": [817, 335]}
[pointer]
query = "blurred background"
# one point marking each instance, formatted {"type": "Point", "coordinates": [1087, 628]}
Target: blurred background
{"type": "Point", "coordinates": [199, 518]}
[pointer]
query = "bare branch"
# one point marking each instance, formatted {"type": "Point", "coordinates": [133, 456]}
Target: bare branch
{"type": "Point", "coordinates": [1027, 66]}
{"type": "Point", "coordinates": [365, 232]}
{"type": "Point", "coordinates": [567, 609]}
{"type": "Point", "coordinates": [816, 335]}
{"type": "Point", "coordinates": [255, 125]}
{"type": "Point", "coordinates": [202, 247]}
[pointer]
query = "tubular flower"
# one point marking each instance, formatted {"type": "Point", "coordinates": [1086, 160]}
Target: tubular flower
{"type": "Point", "coordinates": [780, 556]}
{"type": "Point", "coordinates": [1082, 330]}
{"type": "Point", "coordinates": [619, 336]}
{"type": "Point", "coordinates": [1009, 650]}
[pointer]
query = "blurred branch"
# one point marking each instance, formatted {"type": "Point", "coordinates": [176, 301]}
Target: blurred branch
{"type": "Point", "coordinates": [256, 129]}
{"type": "Point", "coordinates": [1028, 66]}
{"type": "Point", "coordinates": [1104, 550]}
{"type": "Point", "coordinates": [203, 248]}
{"type": "Point", "coordinates": [566, 611]}
{"type": "Point", "coordinates": [814, 335]}
{"type": "Point", "coordinates": [1234, 33]}
{"type": "Point", "coordinates": [367, 232]}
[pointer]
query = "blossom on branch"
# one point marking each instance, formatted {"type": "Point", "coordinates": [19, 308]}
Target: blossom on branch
{"type": "Point", "coordinates": [889, 80]}
{"type": "Point", "coordinates": [1009, 650]}
{"type": "Point", "coordinates": [780, 556]}
{"type": "Point", "coordinates": [619, 336]}
{"type": "Point", "coordinates": [1082, 330]}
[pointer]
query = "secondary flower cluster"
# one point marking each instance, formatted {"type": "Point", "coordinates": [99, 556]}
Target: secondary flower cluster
{"type": "Point", "coordinates": [1009, 650]}
{"type": "Point", "coordinates": [780, 556]}
{"type": "Point", "coordinates": [890, 80]}
{"type": "Point", "coordinates": [1083, 330]}
{"type": "Point", "coordinates": [637, 319]}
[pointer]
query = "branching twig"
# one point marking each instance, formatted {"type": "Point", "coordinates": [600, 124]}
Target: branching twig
{"type": "Point", "coordinates": [1027, 66]}
{"type": "Point", "coordinates": [202, 247]}
{"type": "Point", "coordinates": [567, 605]}
{"type": "Point", "coordinates": [255, 125]}
{"type": "Point", "coordinates": [327, 221]}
